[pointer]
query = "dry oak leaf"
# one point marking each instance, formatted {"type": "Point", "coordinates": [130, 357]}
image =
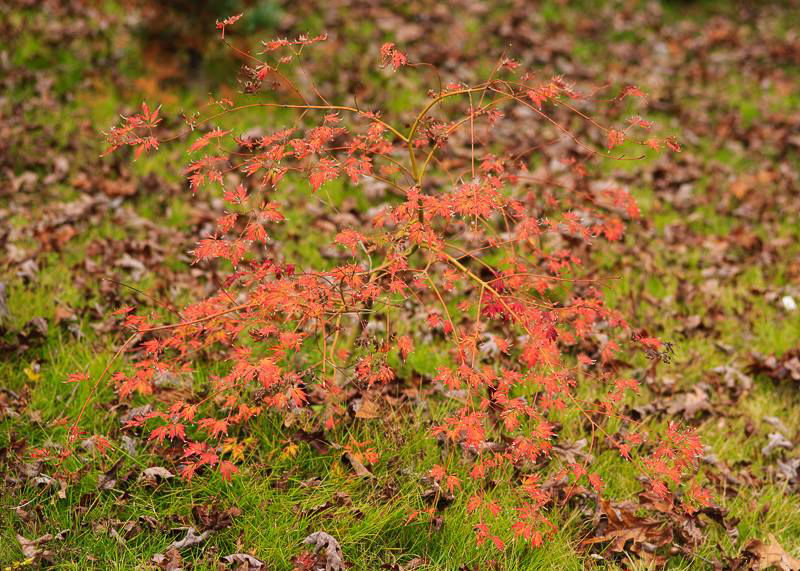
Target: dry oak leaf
{"type": "Point", "coordinates": [244, 562]}
{"type": "Point", "coordinates": [358, 466]}
{"type": "Point", "coordinates": [169, 561]}
{"type": "Point", "coordinates": [212, 518]}
{"type": "Point", "coordinates": [31, 547]}
{"type": "Point", "coordinates": [776, 440]}
{"type": "Point", "coordinates": [330, 548]}
{"type": "Point", "coordinates": [156, 474]}
{"type": "Point", "coordinates": [771, 555]}
{"type": "Point", "coordinates": [622, 525]}
{"type": "Point", "coordinates": [368, 409]}
{"type": "Point", "coordinates": [4, 312]}
{"type": "Point", "coordinates": [192, 538]}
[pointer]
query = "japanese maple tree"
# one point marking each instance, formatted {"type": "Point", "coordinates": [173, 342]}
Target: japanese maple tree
{"type": "Point", "coordinates": [468, 250]}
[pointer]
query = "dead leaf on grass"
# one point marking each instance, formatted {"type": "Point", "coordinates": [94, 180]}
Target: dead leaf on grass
{"type": "Point", "coordinates": [789, 470]}
{"type": "Point", "coordinates": [619, 524]}
{"type": "Point", "coordinates": [358, 467]}
{"type": "Point", "coordinates": [772, 554]}
{"type": "Point", "coordinates": [573, 452]}
{"type": "Point", "coordinates": [244, 562]}
{"type": "Point", "coordinates": [776, 440]}
{"type": "Point", "coordinates": [786, 367]}
{"type": "Point", "coordinates": [4, 312]}
{"type": "Point", "coordinates": [329, 549]}
{"type": "Point", "coordinates": [777, 423]}
{"type": "Point", "coordinates": [212, 518]}
{"type": "Point", "coordinates": [108, 479]}
{"type": "Point", "coordinates": [690, 403]}
{"type": "Point", "coordinates": [33, 548]}
{"type": "Point", "coordinates": [367, 409]}
{"type": "Point", "coordinates": [154, 475]}
{"type": "Point", "coordinates": [169, 561]}
{"type": "Point", "coordinates": [192, 538]}
{"type": "Point", "coordinates": [415, 563]}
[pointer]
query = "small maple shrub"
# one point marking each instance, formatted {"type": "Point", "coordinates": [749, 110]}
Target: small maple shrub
{"type": "Point", "coordinates": [468, 252]}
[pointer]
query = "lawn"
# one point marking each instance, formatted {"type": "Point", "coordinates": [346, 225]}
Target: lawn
{"type": "Point", "coordinates": [712, 266]}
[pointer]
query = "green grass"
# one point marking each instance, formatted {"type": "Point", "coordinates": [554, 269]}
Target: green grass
{"type": "Point", "coordinates": [285, 482]}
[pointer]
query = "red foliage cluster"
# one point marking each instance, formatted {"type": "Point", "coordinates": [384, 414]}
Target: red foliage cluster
{"type": "Point", "coordinates": [482, 253]}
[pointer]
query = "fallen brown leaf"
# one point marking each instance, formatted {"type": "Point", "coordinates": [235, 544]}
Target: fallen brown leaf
{"type": "Point", "coordinates": [358, 467]}
{"type": "Point", "coordinates": [329, 548]}
{"type": "Point", "coordinates": [169, 561]}
{"type": "Point", "coordinates": [244, 562]}
{"type": "Point", "coordinates": [4, 312]}
{"type": "Point", "coordinates": [772, 554]}
{"type": "Point", "coordinates": [211, 518]}
{"type": "Point", "coordinates": [192, 538]}
{"type": "Point", "coordinates": [31, 548]}
{"type": "Point", "coordinates": [619, 524]}
{"type": "Point", "coordinates": [155, 474]}
{"type": "Point", "coordinates": [368, 409]}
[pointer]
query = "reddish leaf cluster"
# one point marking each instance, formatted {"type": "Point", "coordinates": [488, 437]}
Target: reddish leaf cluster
{"type": "Point", "coordinates": [482, 249]}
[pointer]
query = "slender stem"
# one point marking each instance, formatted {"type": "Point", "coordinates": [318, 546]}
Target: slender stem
{"type": "Point", "coordinates": [347, 108]}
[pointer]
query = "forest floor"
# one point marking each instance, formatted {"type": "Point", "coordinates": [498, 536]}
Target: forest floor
{"type": "Point", "coordinates": [713, 267]}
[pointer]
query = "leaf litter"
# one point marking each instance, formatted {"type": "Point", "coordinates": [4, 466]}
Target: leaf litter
{"type": "Point", "coordinates": [681, 53]}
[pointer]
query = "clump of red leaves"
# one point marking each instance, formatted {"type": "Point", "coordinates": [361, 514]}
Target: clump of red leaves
{"type": "Point", "coordinates": [478, 250]}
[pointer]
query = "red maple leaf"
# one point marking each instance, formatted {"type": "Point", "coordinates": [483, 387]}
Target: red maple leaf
{"type": "Point", "coordinates": [227, 22]}
{"type": "Point", "coordinates": [227, 469]}
{"type": "Point", "coordinates": [390, 55]}
{"type": "Point", "coordinates": [406, 346]}
{"type": "Point", "coordinates": [325, 170]}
